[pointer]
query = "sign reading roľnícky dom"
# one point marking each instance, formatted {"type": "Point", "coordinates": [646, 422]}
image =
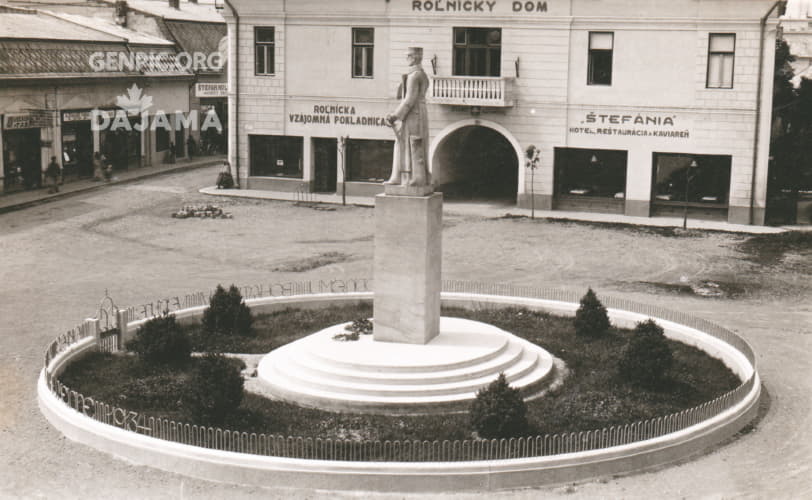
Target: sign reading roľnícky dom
{"type": "Point", "coordinates": [473, 6]}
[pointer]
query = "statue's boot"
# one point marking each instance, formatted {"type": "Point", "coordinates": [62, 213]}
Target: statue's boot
{"type": "Point", "coordinates": [395, 179]}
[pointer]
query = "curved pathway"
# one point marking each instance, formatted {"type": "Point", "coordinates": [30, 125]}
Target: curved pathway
{"type": "Point", "coordinates": [58, 259]}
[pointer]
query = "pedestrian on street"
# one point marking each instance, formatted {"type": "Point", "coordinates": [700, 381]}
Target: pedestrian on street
{"type": "Point", "coordinates": [52, 175]}
{"type": "Point", "coordinates": [191, 146]}
{"type": "Point", "coordinates": [97, 167]}
{"type": "Point", "coordinates": [108, 168]}
{"type": "Point", "coordinates": [224, 178]}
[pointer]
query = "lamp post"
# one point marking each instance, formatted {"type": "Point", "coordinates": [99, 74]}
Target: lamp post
{"type": "Point", "coordinates": [692, 166]}
{"type": "Point", "coordinates": [533, 156]}
{"type": "Point", "coordinates": [342, 147]}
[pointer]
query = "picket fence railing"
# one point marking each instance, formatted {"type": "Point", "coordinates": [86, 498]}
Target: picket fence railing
{"type": "Point", "coordinates": [407, 450]}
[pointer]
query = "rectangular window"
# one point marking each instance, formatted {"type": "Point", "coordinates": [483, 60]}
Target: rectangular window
{"type": "Point", "coordinates": [697, 179]}
{"type": "Point", "coordinates": [721, 54]}
{"type": "Point", "coordinates": [590, 173]}
{"type": "Point", "coordinates": [264, 51]}
{"type": "Point", "coordinates": [477, 51]}
{"type": "Point", "coordinates": [276, 156]}
{"type": "Point", "coordinates": [369, 160]}
{"type": "Point", "coordinates": [601, 46]}
{"type": "Point", "coordinates": [363, 44]}
{"type": "Point", "coordinates": [161, 138]}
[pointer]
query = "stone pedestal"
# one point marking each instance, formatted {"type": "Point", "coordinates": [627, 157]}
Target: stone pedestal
{"type": "Point", "coordinates": [408, 255]}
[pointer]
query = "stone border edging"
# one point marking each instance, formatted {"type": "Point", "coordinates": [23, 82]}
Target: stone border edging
{"type": "Point", "coordinates": [269, 471]}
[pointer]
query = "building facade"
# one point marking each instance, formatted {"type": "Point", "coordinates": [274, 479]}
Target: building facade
{"type": "Point", "coordinates": [636, 107]}
{"type": "Point", "coordinates": [59, 74]}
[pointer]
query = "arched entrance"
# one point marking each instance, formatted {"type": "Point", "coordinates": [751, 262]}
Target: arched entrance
{"type": "Point", "coordinates": [476, 160]}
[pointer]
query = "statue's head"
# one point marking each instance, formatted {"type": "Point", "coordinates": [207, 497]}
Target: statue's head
{"type": "Point", "coordinates": [414, 55]}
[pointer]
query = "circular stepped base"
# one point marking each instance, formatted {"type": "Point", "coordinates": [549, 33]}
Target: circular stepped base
{"type": "Point", "coordinates": [385, 377]}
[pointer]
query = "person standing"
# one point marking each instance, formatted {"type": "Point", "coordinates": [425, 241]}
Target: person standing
{"type": "Point", "coordinates": [52, 175]}
{"type": "Point", "coordinates": [97, 166]}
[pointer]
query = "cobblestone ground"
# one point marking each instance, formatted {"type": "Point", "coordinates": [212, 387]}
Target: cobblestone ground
{"type": "Point", "coordinates": [58, 259]}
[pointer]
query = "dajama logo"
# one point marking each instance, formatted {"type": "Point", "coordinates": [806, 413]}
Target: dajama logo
{"type": "Point", "coordinates": [134, 102]}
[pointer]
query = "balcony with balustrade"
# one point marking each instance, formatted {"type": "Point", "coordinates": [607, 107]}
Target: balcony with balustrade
{"type": "Point", "coordinates": [472, 91]}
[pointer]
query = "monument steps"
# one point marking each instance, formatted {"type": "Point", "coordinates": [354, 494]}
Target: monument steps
{"type": "Point", "coordinates": [531, 384]}
{"type": "Point", "coordinates": [384, 377]}
{"type": "Point", "coordinates": [414, 386]}
{"type": "Point", "coordinates": [316, 367]}
{"type": "Point", "coordinates": [492, 347]}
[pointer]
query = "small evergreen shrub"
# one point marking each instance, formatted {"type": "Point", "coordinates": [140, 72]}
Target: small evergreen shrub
{"type": "Point", "coordinates": [646, 358]}
{"type": "Point", "coordinates": [591, 319]}
{"type": "Point", "coordinates": [161, 341]}
{"type": "Point", "coordinates": [227, 314]}
{"type": "Point", "coordinates": [214, 389]}
{"type": "Point", "coordinates": [499, 411]}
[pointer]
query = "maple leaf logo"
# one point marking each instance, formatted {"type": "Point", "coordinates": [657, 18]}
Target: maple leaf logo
{"type": "Point", "coordinates": [133, 101]}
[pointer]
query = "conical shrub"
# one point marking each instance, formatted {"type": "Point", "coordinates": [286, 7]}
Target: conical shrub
{"type": "Point", "coordinates": [591, 319]}
{"type": "Point", "coordinates": [647, 358]}
{"type": "Point", "coordinates": [499, 411]}
{"type": "Point", "coordinates": [227, 314]}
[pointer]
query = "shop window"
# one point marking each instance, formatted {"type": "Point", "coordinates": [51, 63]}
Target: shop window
{"type": "Point", "coordinates": [477, 51]}
{"type": "Point", "coordinates": [721, 54]}
{"type": "Point", "coordinates": [264, 51]}
{"type": "Point", "coordinates": [77, 148]}
{"type": "Point", "coordinates": [161, 138]}
{"type": "Point", "coordinates": [590, 172]}
{"type": "Point", "coordinates": [276, 156]}
{"type": "Point", "coordinates": [369, 160]}
{"type": "Point", "coordinates": [363, 43]}
{"type": "Point", "coordinates": [601, 47]}
{"type": "Point", "coordinates": [703, 179]}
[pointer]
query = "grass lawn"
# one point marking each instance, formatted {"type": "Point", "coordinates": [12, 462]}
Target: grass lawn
{"type": "Point", "coordinates": [593, 396]}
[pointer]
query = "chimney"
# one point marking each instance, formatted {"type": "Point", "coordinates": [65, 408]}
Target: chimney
{"type": "Point", "coordinates": [121, 12]}
{"type": "Point", "coordinates": [175, 4]}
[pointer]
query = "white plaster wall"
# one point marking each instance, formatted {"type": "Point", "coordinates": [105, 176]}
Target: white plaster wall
{"type": "Point", "coordinates": [660, 68]}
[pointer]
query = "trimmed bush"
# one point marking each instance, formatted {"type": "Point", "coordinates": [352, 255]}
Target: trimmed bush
{"type": "Point", "coordinates": [214, 389]}
{"type": "Point", "coordinates": [499, 411]}
{"type": "Point", "coordinates": [161, 341]}
{"type": "Point", "coordinates": [591, 319]}
{"type": "Point", "coordinates": [227, 314]}
{"type": "Point", "coordinates": [647, 358]}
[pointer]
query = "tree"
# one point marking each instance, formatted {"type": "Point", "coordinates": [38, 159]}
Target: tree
{"type": "Point", "coordinates": [214, 389]}
{"type": "Point", "coordinates": [227, 314]}
{"type": "Point", "coordinates": [791, 141]}
{"type": "Point", "coordinates": [161, 341]}
{"type": "Point", "coordinates": [499, 411]}
{"type": "Point", "coordinates": [647, 357]}
{"type": "Point", "coordinates": [591, 319]}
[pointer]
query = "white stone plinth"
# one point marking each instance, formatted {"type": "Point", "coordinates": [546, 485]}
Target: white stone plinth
{"type": "Point", "coordinates": [408, 255]}
{"type": "Point", "coordinates": [367, 376]}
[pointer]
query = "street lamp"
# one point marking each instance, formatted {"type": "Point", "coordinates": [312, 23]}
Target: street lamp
{"type": "Point", "coordinates": [533, 155]}
{"type": "Point", "coordinates": [692, 166]}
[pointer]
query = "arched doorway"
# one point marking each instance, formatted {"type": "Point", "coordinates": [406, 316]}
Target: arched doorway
{"type": "Point", "coordinates": [475, 162]}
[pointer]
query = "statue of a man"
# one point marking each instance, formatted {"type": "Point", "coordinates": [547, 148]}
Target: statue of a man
{"type": "Point", "coordinates": [411, 125]}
